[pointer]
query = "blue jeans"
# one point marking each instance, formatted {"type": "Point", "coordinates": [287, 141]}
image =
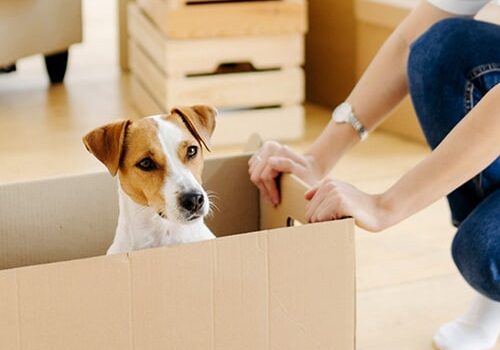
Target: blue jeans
{"type": "Point", "coordinates": [450, 68]}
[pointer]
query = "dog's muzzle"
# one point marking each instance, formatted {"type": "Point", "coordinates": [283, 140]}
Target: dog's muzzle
{"type": "Point", "coordinates": [193, 203]}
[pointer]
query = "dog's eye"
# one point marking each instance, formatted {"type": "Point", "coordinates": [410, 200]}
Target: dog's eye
{"type": "Point", "coordinates": [146, 164]}
{"type": "Point", "coordinates": [192, 151]}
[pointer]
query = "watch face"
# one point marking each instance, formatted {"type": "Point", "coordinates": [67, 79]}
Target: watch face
{"type": "Point", "coordinates": [341, 113]}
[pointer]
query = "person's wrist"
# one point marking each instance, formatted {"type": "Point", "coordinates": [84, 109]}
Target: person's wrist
{"type": "Point", "coordinates": [386, 211]}
{"type": "Point", "coordinates": [316, 165]}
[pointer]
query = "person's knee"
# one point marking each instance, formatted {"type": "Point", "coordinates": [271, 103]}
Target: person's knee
{"type": "Point", "coordinates": [477, 260]}
{"type": "Point", "coordinates": [437, 49]}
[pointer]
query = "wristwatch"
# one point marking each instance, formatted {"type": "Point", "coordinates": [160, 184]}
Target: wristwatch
{"type": "Point", "coordinates": [344, 114]}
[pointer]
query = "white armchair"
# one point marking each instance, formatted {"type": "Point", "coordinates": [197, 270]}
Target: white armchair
{"type": "Point", "coordinates": [46, 27]}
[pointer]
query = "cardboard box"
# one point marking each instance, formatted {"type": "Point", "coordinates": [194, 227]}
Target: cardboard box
{"type": "Point", "coordinates": [251, 288]}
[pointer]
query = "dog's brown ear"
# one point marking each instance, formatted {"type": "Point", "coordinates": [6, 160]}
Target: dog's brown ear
{"type": "Point", "coordinates": [200, 120]}
{"type": "Point", "coordinates": [106, 143]}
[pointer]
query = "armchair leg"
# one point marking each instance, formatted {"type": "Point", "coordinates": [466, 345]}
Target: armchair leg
{"type": "Point", "coordinates": [56, 66]}
{"type": "Point", "coordinates": [8, 68]}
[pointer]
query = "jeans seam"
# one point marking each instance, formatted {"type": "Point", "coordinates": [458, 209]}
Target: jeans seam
{"type": "Point", "coordinates": [475, 73]}
{"type": "Point", "coordinates": [468, 99]}
{"type": "Point", "coordinates": [483, 69]}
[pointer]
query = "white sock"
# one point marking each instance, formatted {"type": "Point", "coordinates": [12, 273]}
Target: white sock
{"type": "Point", "coordinates": [477, 329]}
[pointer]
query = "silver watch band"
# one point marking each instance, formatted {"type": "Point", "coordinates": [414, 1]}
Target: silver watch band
{"type": "Point", "coordinates": [358, 126]}
{"type": "Point", "coordinates": [345, 114]}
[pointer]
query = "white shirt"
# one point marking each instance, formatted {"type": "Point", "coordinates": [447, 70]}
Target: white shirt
{"type": "Point", "coordinates": [460, 7]}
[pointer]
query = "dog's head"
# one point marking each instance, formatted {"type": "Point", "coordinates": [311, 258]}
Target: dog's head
{"type": "Point", "coordinates": [159, 159]}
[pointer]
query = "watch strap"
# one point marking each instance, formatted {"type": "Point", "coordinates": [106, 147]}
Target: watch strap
{"type": "Point", "coordinates": [358, 126]}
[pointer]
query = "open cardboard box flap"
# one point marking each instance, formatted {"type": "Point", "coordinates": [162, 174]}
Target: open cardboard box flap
{"type": "Point", "coordinates": [286, 288]}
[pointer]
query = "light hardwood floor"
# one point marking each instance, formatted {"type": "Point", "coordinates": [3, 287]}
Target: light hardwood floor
{"type": "Point", "coordinates": [407, 283]}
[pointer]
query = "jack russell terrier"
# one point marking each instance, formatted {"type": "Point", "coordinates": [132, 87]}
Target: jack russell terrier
{"type": "Point", "coordinates": [159, 161]}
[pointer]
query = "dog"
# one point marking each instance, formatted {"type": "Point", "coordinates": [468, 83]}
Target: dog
{"type": "Point", "coordinates": [159, 162]}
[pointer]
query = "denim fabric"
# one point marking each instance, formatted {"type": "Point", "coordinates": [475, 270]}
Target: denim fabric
{"type": "Point", "coordinates": [450, 68]}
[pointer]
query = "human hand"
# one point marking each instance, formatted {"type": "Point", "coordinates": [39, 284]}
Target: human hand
{"type": "Point", "coordinates": [274, 158]}
{"type": "Point", "coordinates": [333, 199]}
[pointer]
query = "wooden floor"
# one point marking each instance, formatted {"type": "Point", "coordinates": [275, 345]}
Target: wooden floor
{"type": "Point", "coordinates": [407, 284]}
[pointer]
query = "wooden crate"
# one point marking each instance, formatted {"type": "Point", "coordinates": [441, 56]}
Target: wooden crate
{"type": "Point", "coordinates": [234, 90]}
{"type": "Point", "coordinates": [235, 127]}
{"type": "Point", "coordinates": [169, 72]}
{"type": "Point", "coordinates": [202, 19]}
{"type": "Point", "coordinates": [198, 56]}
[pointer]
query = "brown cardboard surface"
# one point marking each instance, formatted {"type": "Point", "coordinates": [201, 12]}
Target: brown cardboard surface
{"type": "Point", "coordinates": [287, 288]}
{"type": "Point", "coordinates": [81, 304]}
{"type": "Point", "coordinates": [57, 219]}
{"type": "Point", "coordinates": [237, 199]}
{"type": "Point", "coordinates": [9, 321]}
{"type": "Point", "coordinates": [292, 204]}
{"type": "Point", "coordinates": [330, 50]}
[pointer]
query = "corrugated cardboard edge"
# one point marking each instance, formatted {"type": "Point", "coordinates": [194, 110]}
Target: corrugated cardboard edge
{"type": "Point", "coordinates": [64, 294]}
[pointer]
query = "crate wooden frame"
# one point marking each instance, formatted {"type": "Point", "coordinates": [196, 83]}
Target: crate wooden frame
{"type": "Point", "coordinates": [158, 63]}
{"type": "Point", "coordinates": [168, 72]}
{"type": "Point", "coordinates": [285, 123]}
{"type": "Point", "coordinates": [187, 19]}
{"type": "Point", "coordinates": [175, 57]}
{"type": "Point", "coordinates": [235, 90]}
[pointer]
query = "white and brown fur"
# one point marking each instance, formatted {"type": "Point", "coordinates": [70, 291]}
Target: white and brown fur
{"type": "Point", "coordinates": [163, 203]}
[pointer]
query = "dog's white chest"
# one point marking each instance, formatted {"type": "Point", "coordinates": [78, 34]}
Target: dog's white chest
{"type": "Point", "coordinates": [142, 228]}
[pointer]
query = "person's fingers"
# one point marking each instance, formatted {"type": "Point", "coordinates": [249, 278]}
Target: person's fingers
{"type": "Point", "coordinates": [289, 153]}
{"type": "Point", "coordinates": [284, 165]}
{"type": "Point", "coordinates": [254, 160]}
{"type": "Point", "coordinates": [263, 191]}
{"type": "Point", "coordinates": [314, 203]}
{"type": "Point", "coordinates": [268, 179]}
{"type": "Point", "coordinates": [326, 211]}
{"type": "Point", "coordinates": [320, 207]}
{"type": "Point", "coordinates": [252, 166]}
{"type": "Point", "coordinates": [310, 193]}
{"type": "Point", "coordinates": [260, 165]}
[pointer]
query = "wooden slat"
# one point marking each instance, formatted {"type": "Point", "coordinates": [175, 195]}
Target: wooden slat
{"type": "Point", "coordinates": [196, 56]}
{"type": "Point", "coordinates": [173, 4]}
{"type": "Point", "coordinates": [189, 2]}
{"type": "Point", "coordinates": [142, 100]}
{"type": "Point", "coordinates": [239, 90]}
{"type": "Point", "coordinates": [285, 123]}
{"type": "Point", "coordinates": [227, 19]}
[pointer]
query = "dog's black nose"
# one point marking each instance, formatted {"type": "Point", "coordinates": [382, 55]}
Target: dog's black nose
{"type": "Point", "coordinates": [192, 201]}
